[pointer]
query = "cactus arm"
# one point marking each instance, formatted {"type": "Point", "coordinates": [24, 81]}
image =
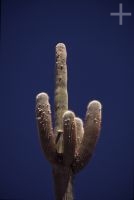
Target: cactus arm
{"type": "Point", "coordinates": [43, 117]}
{"type": "Point", "coordinates": [91, 134]}
{"type": "Point", "coordinates": [79, 132]}
{"type": "Point", "coordinates": [69, 137]}
{"type": "Point", "coordinates": [63, 176]}
{"type": "Point", "coordinates": [61, 95]}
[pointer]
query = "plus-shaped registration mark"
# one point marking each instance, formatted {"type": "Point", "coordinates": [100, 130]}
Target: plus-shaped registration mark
{"type": "Point", "coordinates": [121, 14]}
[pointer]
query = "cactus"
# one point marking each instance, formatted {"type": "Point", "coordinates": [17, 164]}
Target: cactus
{"type": "Point", "coordinates": [70, 145]}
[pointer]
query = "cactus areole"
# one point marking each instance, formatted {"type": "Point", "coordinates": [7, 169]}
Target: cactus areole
{"type": "Point", "coordinates": [70, 144]}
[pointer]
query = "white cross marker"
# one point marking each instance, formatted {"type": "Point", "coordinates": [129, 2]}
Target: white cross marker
{"type": "Point", "coordinates": [120, 14]}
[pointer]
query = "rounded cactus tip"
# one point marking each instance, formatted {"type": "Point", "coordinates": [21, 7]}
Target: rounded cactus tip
{"type": "Point", "coordinates": [61, 51]}
{"type": "Point", "coordinates": [94, 104]}
{"type": "Point", "coordinates": [60, 45]}
{"type": "Point", "coordinates": [68, 114]}
{"type": "Point", "coordinates": [42, 97]}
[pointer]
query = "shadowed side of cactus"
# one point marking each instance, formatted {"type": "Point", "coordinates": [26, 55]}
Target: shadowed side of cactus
{"type": "Point", "coordinates": [70, 145]}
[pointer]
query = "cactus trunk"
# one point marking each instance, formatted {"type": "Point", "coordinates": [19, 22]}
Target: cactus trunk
{"type": "Point", "coordinates": [70, 146]}
{"type": "Point", "coordinates": [63, 183]}
{"type": "Point", "coordinates": [62, 176]}
{"type": "Point", "coordinates": [61, 95]}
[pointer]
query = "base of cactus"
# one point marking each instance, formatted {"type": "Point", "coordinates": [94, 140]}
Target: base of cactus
{"type": "Point", "coordinates": [63, 183]}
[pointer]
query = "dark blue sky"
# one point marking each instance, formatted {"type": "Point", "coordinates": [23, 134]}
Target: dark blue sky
{"type": "Point", "coordinates": [100, 66]}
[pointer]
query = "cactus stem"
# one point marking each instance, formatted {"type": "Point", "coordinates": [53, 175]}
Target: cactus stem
{"type": "Point", "coordinates": [70, 146]}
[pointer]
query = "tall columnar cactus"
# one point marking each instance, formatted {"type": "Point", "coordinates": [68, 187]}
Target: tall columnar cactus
{"type": "Point", "coordinates": [70, 145]}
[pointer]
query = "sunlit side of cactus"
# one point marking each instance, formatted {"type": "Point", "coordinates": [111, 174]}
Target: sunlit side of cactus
{"type": "Point", "coordinates": [70, 145]}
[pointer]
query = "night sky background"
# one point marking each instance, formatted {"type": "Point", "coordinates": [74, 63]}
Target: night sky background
{"type": "Point", "coordinates": [100, 66]}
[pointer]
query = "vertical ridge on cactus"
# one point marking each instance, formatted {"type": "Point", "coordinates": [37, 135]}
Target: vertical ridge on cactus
{"type": "Point", "coordinates": [70, 144]}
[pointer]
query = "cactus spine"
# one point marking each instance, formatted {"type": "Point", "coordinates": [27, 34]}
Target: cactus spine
{"type": "Point", "coordinates": [70, 145]}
